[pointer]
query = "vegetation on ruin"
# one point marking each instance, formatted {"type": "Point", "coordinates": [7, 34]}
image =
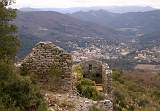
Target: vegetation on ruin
{"type": "Point", "coordinates": [94, 108]}
{"type": "Point", "coordinates": [86, 87]}
{"type": "Point", "coordinates": [133, 91]}
{"type": "Point", "coordinates": [78, 72]}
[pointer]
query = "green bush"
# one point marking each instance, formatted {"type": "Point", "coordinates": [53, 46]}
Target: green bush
{"type": "Point", "coordinates": [23, 94]}
{"type": "Point", "coordinates": [133, 94]}
{"type": "Point", "coordinates": [23, 70]}
{"type": "Point", "coordinates": [87, 89]}
{"type": "Point", "coordinates": [18, 93]}
{"type": "Point", "coordinates": [78, 71]}
{"type": "Point", "coordinates": [94, 108]}
{"type": "Point", "coordinates": [117, 76]}
{"type": "Point", "coordinates": [7, 72]}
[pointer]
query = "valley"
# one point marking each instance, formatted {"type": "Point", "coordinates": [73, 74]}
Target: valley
{"type": "Point", "coordinates": [98, 58]}
{"type": "Point", "coordinates": [121, 39]}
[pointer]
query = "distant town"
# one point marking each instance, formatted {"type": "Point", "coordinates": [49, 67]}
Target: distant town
{"type": "Point", "coordinates": [101, 49]}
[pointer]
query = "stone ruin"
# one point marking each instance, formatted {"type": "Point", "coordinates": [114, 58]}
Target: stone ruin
{"type": "Point", "coordinates": [102, 75]}
{"type": "Point", "coordinates": [45, 55]}
{"type": "Point", "coordinates": [92, 69]}
{"type": "Point", "coordinates": [98, 72]}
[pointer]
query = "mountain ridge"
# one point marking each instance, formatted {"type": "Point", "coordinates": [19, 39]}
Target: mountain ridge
{"type": "Point", "coordinates": [136, 20]}
{"type": "Point", "coordinates": [58, 28]}
{"type": "Point", "coordinates": [114, 9]}
{"type": "Point", "coordinates": [49, 22]}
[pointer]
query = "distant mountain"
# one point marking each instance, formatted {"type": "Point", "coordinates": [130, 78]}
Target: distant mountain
{"type": "Point", "coordinates": [114, 9]}
{"type": "Point", "coordinates": [139, 22]}
{"type": "Point", "coordinates": [35, 26]}
{"type": "Point", "coordinates": [125, 9]}
{"type": "Point", "coordinates": [28, 9]}
{"type": "Point", "coordinates": [57, 26]}
{"type": "Point", "coordinates": [60, 28]}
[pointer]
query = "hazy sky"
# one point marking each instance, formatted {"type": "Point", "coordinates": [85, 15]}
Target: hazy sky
{"type": "Point", "coordinates": [82, 3]}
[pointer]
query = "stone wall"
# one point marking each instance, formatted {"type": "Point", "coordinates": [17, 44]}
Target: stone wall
{"type": "Point", "coordinates": [100, 71]}
{"type": "Point", "coordinates": [46, 55]}
{"type": "Point", "coordinates": [107, 80]}
{"type": "Point", "coordinates": [92, 69]}
{"type": "Point", "coordinates": [43, 57]}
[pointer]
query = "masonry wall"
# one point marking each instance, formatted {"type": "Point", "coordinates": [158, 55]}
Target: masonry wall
{"type": "Point", "coordinates": [105, 74]}
{"type": "Point", "coordinates": [40, 61]}
{"type": "Point", "coordinates": [92, 69]}
{"type": "Point", "coordinates": [107, 80]}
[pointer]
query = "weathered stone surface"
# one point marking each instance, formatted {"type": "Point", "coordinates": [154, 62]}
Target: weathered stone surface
{"type": "Point", "coordinates": [45, 55]}
{"type": "Point", "coordinates": [93, 70]}
{"type": "Point", "coordinates": [105, 105]}
{"type": "Point", "coordinates": [40, 61]}
{"type": "Point", "coordinates": [100, 73]}
{"type": "Point", "coordinates": [68, 102]}
{"type": "Point", "coordinates": [107, 80]}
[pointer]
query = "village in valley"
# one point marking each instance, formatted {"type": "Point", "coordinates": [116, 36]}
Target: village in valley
{"type": "Point", "coordinates": [103, 50]}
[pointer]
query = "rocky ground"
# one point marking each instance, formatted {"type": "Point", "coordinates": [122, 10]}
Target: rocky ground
{"type": "Point", "coordinates": [68, 102]}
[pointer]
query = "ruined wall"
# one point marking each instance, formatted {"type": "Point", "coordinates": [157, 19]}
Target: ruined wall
{"type": "Point", "coordinates": [40, 61]}
{"type": "Point", "coordinates": [107, 80]}
{"type": "Point", "coordinates": [92, 69]}
{"type": "Point", "coordinates": [103, 69]}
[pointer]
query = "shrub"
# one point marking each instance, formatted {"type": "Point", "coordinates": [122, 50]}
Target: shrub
{"type": "Point", "coordinates": [22, 94]}
{"type": "Point", "coordinates": [17, 93]}
{"type": "Point", "coordinates": [134, 94]}
{"type": "Point", "coordinates": [7, 72]}
{"type": "Point", "coordinates": [78, 71]}
{"type": "Point", "coordinates": [94, 108]}
{"type": "Point", "coordinates": [23, 70]}
{"type": "Point", "coordinates": [87, 89]}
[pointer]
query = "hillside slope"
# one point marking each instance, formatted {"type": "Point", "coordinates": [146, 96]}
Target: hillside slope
{"type": "Point", "coordinates": [56, 26]}
{"type": "Point", "coordinates": [115, 9]}
{"type": "Point", "coordinates": [136, 91]}
{"type": "Point", "coordinates": [59, 28]}
{"type": "Point", "coordinates": [143, 22]}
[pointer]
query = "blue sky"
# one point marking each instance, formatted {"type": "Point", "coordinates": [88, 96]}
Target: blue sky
{"type": "Point", "coordinates": [83, 3]}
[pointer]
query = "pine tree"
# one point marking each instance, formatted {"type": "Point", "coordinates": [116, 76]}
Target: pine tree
{"type": "Point", "coordinates": [8, 39]}
{"type": "Point", "coordinates": [17, 93]}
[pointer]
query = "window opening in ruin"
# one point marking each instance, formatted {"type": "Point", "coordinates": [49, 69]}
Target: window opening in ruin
{"type": "Point", "coordinates": [97, 75]}
{"type": "Point", "coordinates": [90, 67]}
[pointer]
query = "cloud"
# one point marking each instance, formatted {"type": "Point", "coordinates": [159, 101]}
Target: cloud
{"type": "Point", "coordinates": [77, 3]}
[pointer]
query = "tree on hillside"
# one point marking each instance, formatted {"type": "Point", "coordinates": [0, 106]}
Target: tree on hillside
{"type": "Point", "coordinates": [17, 93]}
{"type": "Point", "coordinates": [8, 39]}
